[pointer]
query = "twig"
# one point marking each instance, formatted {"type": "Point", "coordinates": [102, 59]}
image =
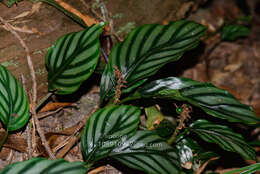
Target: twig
{"type": "Point", "coordinates": [46, 114]}
{"type": "Point", "coordinates": [97, 170]}
{"type": "Point", "coordinates": [28, 128]}
{"type": "Point", "coordinates": [34, 88]}
{"type": "Point", "coordinates": [205, 165]}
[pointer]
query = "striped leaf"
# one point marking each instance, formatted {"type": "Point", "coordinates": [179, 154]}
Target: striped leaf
{"type": "Point", "coordinates": [233, 32]}
{"type": "Point", "coordinates": [212, 100]}
{"type": "Point", "coordinates": [145, 50]}
{"type": "Point", "coordinates": [148, 152]}
{"type": "Point", "coordinates": [72, 59]}
{"type": "Point", "coordinates": [14, 105]}
{"type": "Point", "coordinates": [42, 166]}
{"type": "Point", "coordinates": [105, 129]}
{"type": "Point", "coordinates": [246, 170]}
{"type": "Point", "coordinates": [224, 137]}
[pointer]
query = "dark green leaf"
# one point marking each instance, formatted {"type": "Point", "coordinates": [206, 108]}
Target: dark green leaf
{"type": "Point", "coordinates": [72, 59]}
{"type": "Point", "coordinates": [66, 12]}
{"type": "Point", "coordinates": [212, 100]}
{"type": "Point", "coordinates": [14, 105]}
{"type": "Point", "coordinates": [145, 50]}
{"type": "Point", "coordinates": [232, 32]}
{"type": "Point", "coordinates": [42, 166]}
{"type": "Point", "coordinates": [224, 137]}
{"type": "Point", "coordinates": [10, 3]}
{"type": "Point", "coordinates": [148, 152]}
{"type": "Point", "coordinates": [246, 170]}
{"type": "Point", "coordinates": [166, 128]}
{"type": "Point", "coordinates": [106, 128]}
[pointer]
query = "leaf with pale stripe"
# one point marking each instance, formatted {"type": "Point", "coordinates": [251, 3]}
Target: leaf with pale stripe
{"type": "Point", "coordinates": [212, 100]}
{"type": "Point", "coordinates": [105, 128]}
{"type": "Point", "coordinates": [224, 137]}
{"type": "Point", "coordinates": [14, 105]}
{"type": "Point", "coordinates": [72, 59]}
{"type": "Point", "coordinates": [246, 170]}
{"type": "Point", "coordinates": [146, 151]}
{"type": "Point", "coordinates": [146, 49]}
{"type": "Point", "coordinates": [42, 166]}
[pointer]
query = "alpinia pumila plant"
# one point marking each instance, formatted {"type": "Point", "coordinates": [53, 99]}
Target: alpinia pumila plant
{"type": "Point", "coordinates": [114, 130]}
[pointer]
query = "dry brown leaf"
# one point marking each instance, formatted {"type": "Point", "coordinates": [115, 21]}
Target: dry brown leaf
{"type": "Point", "coordinates": [54, 106]}
{"type": "Point", "coordinates": [15, 142]}
{"type": "Point", "coordinates": [87, 19]}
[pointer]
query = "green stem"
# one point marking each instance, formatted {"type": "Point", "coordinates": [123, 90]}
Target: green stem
{"type": "Point", "coordinates": [129, 99]}
{"type": "Point", "coordinates": [43, 100]}
{"type": "Point", "coordinates": [173, 137]}
{"type": "Point", "coordinates": [4, 139]}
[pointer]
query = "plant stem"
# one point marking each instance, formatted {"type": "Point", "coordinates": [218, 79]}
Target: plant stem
{"type": "Point", "coordinates": [128, 99]}
{"type": "Point", "coordinates": [43, 100]}
{"type": "Point", "coordinates": [4, 139]}
{"type": "Point", "coordinates": [173, 137]}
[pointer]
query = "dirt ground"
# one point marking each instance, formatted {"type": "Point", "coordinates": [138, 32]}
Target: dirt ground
{"type": "Point", "coordinates": [234, 66]}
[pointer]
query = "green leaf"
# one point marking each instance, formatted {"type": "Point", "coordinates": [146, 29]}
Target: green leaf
{"type": "Point", "coordinates": [224, 137]}
{"type": "Point", "coordinates": [14, 105]}
{"type": "Point", "coordinates": [148, 152]}
{"type": "Point", "coordinates": [246, 170]}
{"type": "Point", "coordinates": [166, 127]}
{"type": "Point", "coordinates": [145, 50]}
{"type": "Point", "coordinates": [66, 12]}
{"type": "Point", "coordinates": [232, 32]}
{"type": "Point", "coordinates": [72, 59]}
{"type": "Point", "coordinates": [11, 2]}
{"type": "Point", "coordinates": [154, 116]}
{"type": "Point", "coordinates": [105, 128]}
{"type": "Point", "coordinates": [42, 166]}
{"type": "Point", "coordinates": [212, 100]}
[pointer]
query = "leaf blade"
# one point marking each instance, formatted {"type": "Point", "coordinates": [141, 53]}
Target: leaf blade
{"type": "Point", "coordinates": [42, 165]}
{"type": "Point", "coordinates": [114, 122]}
{"type": "Point", "coordinates": [212, 100]}
{"type": "Point", "coordinates": [246, 170]}
{"type": "Point", "coordinates": [148, 152]}
{"type": "Point", "coordinates": [146, 49]}
{"type": "Point", "coordinates": [224, 137]}
{"type": "Point", "coordinates": [72, 59]}
{"type": "Point", "coordinates": [14, 107]}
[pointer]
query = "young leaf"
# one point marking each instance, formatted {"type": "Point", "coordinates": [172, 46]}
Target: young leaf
{"type": "Point", "coordinates": [105, 129]}
{"type": "Point", "coordinates": [148, 152]}
{"type": "Point", "coordinates": [212, 100]}
{"type": "Point", "coordinates": [154, 117]}
{"type": "Point", "coordinates": [14, 105]}
{"type": "Point", "coordinates": [145, 50]}
{"type": "Point", "coordinates": [232, 32]}
{"type": "Point", "coordinates": [72, 59]}
{"type": "Point", "coordinates": [42, 165]}
{"type": "Point", "coordinates": [246, 170]}
{"type": "Point", "coordinates": [224, 137]}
